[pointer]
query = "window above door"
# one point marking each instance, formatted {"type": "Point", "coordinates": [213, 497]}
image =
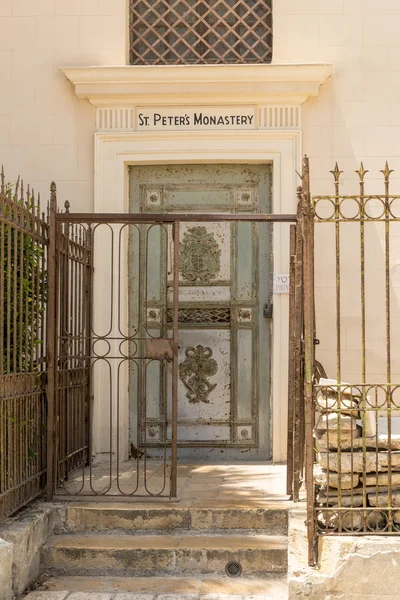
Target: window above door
{"type": "Point", "coordinates": [172, 32]}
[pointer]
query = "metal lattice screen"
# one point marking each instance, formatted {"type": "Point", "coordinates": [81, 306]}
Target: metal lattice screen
{"type": "Point", "coordinates": [200, 31]}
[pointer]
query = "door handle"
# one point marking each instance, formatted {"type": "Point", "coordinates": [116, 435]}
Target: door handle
{"type": "Point", "coordinates": [268, 310]}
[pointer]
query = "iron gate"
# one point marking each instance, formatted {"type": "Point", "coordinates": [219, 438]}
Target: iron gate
{"type": "Point", "coordinates": [352, 419]}
{"type": "Point", "coordinates": [106, 353]}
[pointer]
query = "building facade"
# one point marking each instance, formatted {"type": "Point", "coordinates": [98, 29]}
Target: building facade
{"type": "Point", "coordinates": [78, 106]}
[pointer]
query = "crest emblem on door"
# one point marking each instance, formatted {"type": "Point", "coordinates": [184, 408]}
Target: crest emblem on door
{"type": "Point", "coordinates": [194, 372]}
{"type": "Point", "coordinates": [199, 256]}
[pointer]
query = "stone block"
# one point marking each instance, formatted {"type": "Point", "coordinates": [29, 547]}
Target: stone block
{"type": "Point", "coordinates": [370, 424]}
{"type": "Point", "coordinates": [331, 497]}
{"type": "Point", "coordinates": [328, 397]}
{"type": "Point", "coordinates": [346, 481]}
{"type": "Point", "coordinates": [350, 521]}
{"type": "Point", "coordinates": [332, 421]}
{"type": "Point", "coordinates": [354, 461]}
{"type": "Point", "coordinates": [346, 389]}
{"type": "Point", "coordinates": [330, 401]}
{"type": "Point", "coordinates": [382, 500]}
{"type": "Point", "coordinates": [376, 521]}
{"type": "Point", "coordinates": [380, 442]}
{"type": "Point", "coordinates": [396, 517]}
{"type": "Point", "coordinates": [6, 560]}
{"type": "Point", "coordinates": [331, 440]}
{"type": "Point", "coordinates": [380, 479]}
{"type": "Point", "coordinates": [27, 533]}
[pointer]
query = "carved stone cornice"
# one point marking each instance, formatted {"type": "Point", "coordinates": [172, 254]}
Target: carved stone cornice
{"type": "Point", "coordinates": [189, 85]}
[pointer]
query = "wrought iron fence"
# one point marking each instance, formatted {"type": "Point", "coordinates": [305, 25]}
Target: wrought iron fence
{"type": "Point", "coordinates": [353, 414]}
{"type": "Point", "coordinates": [26, 326]}
{"type": "Point", "coordinates": [24, 235]}
{"type": "Point", "coordinates": [198, 32]}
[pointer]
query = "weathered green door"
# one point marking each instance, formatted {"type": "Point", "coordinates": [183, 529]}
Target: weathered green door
{"type": "Point", "coordinates": [224, 283]}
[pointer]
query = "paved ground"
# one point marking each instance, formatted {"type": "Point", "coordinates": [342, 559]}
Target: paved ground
{"type": "Point", "coordinates": [247, 484]}
{"type": "Point", "coordinates": [274, 591]}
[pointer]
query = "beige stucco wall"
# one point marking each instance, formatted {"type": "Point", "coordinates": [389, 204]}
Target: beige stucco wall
{"type": "Point", "coordinates": [46, 132]}
{"type": "Point", "coordinates": [356, 117]}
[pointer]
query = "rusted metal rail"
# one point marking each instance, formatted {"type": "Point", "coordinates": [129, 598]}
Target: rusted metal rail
{"type": "Point", "coordinates": [136, 218]}
{"type": "Point", "coordinates": [353, 433]}
{"type": "Point", "coordinates": [24, 237]}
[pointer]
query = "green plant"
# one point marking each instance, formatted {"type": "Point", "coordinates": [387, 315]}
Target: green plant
{"type": "Point", "coordinates": [24, 282]}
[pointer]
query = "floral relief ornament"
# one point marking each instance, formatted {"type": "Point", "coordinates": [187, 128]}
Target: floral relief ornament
{"type": "Point", "coordinates": [194, 372]}
{"type": "Point", "coordinates": [199, 256]}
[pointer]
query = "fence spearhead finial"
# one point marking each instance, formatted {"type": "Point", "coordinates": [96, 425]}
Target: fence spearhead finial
{"type": "Point", "coordinates": [386, 172]}
{"type": "Point", "coordinates": [336, 173]}
{"type": "Point", "coordinates": [361, 172]}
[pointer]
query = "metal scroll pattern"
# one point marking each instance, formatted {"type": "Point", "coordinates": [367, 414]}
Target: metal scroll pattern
{"type": "Point", "coordinates": [199, 256]}
{"type": "Point", "coordinates": [194, 372]}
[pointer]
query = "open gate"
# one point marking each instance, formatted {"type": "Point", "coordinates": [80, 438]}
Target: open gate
{"type": "Point", "coordinates": [109, 359]}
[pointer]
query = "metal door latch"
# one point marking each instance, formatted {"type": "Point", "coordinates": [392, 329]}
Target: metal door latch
{"type": "Point", "coordinates": [268, 309]}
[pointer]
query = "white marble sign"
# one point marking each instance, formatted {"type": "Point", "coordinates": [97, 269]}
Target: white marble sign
{"type": "Point", "coordinates": [281, 283]}
{"type": "Point", "coordinates": [186, 119]}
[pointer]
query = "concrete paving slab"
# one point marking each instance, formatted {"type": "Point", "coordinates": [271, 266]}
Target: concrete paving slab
{"type": "Point", "coordinates": [61, 595]}
{"type": "Point", "coordinates": [134, 596]}
{"type": "Point", "coordinates": [90, 596]}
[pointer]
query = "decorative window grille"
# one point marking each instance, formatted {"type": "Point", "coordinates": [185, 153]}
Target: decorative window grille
{"type": "Point", "coordinates": [171, 32]}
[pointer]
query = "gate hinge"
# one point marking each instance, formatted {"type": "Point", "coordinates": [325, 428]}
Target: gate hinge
{"type": "Point", "coordinates": [316, 342]}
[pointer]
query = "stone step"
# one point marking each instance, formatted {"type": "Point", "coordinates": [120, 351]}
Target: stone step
{"type": "Point", "coordinates": [154, 588]}
{"type": "Point", "coordinates": [100, 517]}
{"type": "Point", "coordinates": [129, 555]}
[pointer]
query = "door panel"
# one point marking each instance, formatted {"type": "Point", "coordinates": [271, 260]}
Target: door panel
{"type": "Point", "coordinates": [224, 281]}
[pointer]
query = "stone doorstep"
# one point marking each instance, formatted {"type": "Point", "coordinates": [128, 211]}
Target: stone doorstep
{"type": "Point", "coordinates": [124, 517]}
{"type": "Point", "coordinates": [64, 595]}
{"type": "Point", "coordinates": [164, 554]}
{"type": "Point", "coordinates": [206, 588]}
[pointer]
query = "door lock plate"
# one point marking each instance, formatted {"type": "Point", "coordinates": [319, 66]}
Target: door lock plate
{"type": "Point", "coordinates": [159, 348]}
{"type": "Point", "coordinates": [268, 310]}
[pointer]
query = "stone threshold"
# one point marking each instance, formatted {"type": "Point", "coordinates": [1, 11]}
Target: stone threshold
{"type": "Point", "coordinates": [160, 588]}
